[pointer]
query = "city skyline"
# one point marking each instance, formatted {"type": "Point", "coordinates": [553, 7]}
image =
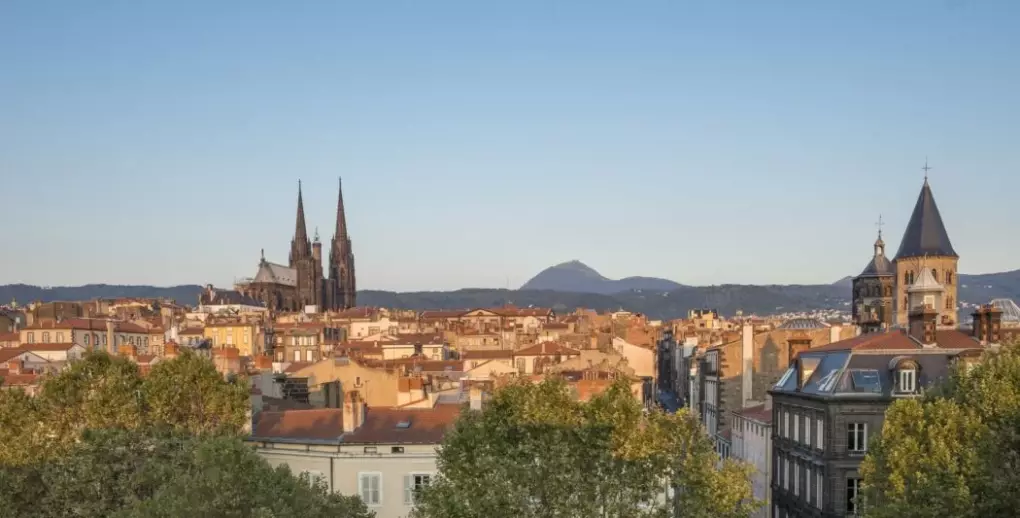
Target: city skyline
{"type": "Point", "coordinates": [150, 145]}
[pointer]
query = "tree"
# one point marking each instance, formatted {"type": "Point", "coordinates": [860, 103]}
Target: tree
{"type": "Point", "coordinates": [96, 392]}
{"type": "Point", "coordinates": [534, 452]}
{"type": "Point", "coordinates": [104, 392]}
{"type": "Point", "coordinates": [187, 393]}
{"type": "Point", "coordinates": [131, 474]}
{"type": "Point", "coordinates": [954, 453]}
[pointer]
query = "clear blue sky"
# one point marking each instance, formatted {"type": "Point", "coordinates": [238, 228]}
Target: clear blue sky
{"type": "Point", "coordinates": [702, 141]}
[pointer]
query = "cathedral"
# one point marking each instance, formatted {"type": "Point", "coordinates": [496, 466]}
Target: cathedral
{"type": "Point", "coordinates": [301, 283]}
{"type": "Point", "coordinates": [922, 276]}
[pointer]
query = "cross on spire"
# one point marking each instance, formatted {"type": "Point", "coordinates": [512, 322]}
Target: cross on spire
{"type": "Point", "coordinates": [926, 169]}
{"type": "Point", "coordinates": [879, 224]}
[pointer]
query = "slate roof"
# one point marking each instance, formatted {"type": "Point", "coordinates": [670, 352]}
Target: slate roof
{"type": "Point", "coordinates": [272, 273]}
{"type": "Point", "coordinates": [803, 323]}
{"type": "Point", "coordinates": [925, 233]}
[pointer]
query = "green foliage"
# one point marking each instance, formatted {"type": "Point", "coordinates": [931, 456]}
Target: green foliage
{"type": "Point", "coordinates": [103, 392]}
{"type": "Point", "coordinates": [188, 394]}
{"type": "Point", "coordinates": [955, 453]}
{"type": "Point", "coordinates": [536, 452]}
{"type": "Point", "coordinates": [130, 474]}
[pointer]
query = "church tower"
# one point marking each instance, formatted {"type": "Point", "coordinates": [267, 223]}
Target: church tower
{"type": "Point", "coordinates": [342, 289]}
{"type": "Point", "coordinates": [873, 290]}
{"type": "Point", "coordinates": [925, 247]}
{"type": "Point", "coordinates": [309, 282]}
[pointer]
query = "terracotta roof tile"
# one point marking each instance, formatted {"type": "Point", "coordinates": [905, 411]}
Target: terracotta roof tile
{"type": "Point", "coordinates": [9, 337]}
{"type": "Point", "coordinates": [318, 424]}
{"type": "Point", "coordinates": [46, 347]}
{"type": "Point", "coordinates": [427, 426]}
{"type": "Point", "coordinates": [546, 349]}
{"type": "Point", "coordinates": [487, 354]}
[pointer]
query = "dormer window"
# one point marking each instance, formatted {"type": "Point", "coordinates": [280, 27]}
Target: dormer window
{"type": "Point", "coordinates": [908, 380]}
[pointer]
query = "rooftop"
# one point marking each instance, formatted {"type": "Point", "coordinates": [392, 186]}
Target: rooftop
{"type": "Point", "coordinates": [925, 234]}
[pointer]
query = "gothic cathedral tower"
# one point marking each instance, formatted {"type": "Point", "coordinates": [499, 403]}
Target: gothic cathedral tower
{"type": "Point", "coordinates": [309, 270]}
{"type": "Point", "coordinates": [925, 247]}
{"type": "Point", "coordinates": [341, 285]}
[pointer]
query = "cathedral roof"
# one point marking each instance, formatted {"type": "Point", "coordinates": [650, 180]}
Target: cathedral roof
{"type": "Point", "coordinates": [803, 323]}
{"type": "Point", "coordinates": [925, 233]}
{"type": "Point", "coordinates": [272, 273]}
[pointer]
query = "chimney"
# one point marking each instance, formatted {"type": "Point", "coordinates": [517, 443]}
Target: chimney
{"type": "Point", "coordinates": [798, 342]}
{"type": "Point", "coordinates": [16, 366]}
{"type": "Point", "coordinates": [834, 333]}
{"type": "Point", "coordinates": [111, 345]}
{"type": "Point", "coordinates": [747, 362]}
{"type": "Point", "coordinates": [476, 397]}
{"type": "Point", "coordinates": [254, 409]}
{"type": "Point", "coordinates": [768, 401]}
{"type": "Point", "coordinates": [921, 325]}
{"type": "Point", "coordinates": [354, 412]}
{"type": "Point", "coordinates": [994, 323]}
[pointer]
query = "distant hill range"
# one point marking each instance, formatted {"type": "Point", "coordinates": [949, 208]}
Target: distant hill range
{"type": "Point", "coordinates": [571, 285]}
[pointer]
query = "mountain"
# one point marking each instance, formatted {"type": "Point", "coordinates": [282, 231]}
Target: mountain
{"type": "Point", "coordinates": [578, 277]}
{"type": "Point", "coordinates": [24, 293]}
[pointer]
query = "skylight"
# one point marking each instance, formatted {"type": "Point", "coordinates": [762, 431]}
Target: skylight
{"type": "Point", "coordinates": [403, 425]}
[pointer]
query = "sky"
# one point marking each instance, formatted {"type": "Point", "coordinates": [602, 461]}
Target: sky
{"type": "Point", "coordinates": [706, 142]}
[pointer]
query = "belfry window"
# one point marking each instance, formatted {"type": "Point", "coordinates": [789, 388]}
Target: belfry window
{"type": "Point", "coordinates": [935, 274]}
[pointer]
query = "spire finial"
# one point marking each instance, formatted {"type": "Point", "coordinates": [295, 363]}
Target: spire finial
{"type": "Point", "coordinates": [879, 225]}
{"type": "Point", "coordinates": [926, 169]}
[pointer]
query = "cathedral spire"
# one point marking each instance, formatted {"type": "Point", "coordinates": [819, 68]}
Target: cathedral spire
{"type": "Point", "coordinates": [341, 218]}
{"type": "Point", "coordinates": [300, 232]}
{"type": "Point", "coordinates": [300, 247]}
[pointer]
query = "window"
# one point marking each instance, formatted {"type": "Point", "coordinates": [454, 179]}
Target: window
{"type": "Point", "coordinates": [297, 356]}
{"type": "Point", "coordinates": [313, 477]}
{"type": "Point", "coordinates": [244, 337]}
{"type": "Point", "coordinates": [370, 488]}
{"type": "Point", "coordinates": [413, 482]}
{"type": "Point", "coordinates": [796, 428]}
{"type": "Point", "coordinates": [785, 475]}
{"type": "Point", "coordinates": [935, 274]}
{"type": "Point", "coordinates": [857, 437]}
{"type": "Point", "coordinates": [853, 488]}
{"type": "Point", "coordinates": [31, 338]}
{"type": "Point", "coordinates": [399, 449]}
{"type": "Point", "coordinates": [820, 435]}
{"type": "Point", "coordinates": [786, 423]}
{"type": "Point", "coordinates": [86, 339]}
{"type": "Point", "coordinates": [308, 355]}
{"type": "Point", "coordinates": [60, 338]}
{"type": "Point", "coordinates": [230, 339]}
{"type": "Point", "coordinates": [46, 338]}
{"type": "Point", "coordinates": [796, 479]}
{"type": "Point", "coordinates": [908, 380]}
{"type": "Point", "coordinates": [818, 489]}
{"type": "Point", "coordinates": [949, 276]}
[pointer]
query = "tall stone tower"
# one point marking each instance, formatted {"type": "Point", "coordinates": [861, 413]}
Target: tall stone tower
{"type": "Point", "coordinates": [341, 283]}
{"type": "Point", "coordinates": [309, 279]}
{"type": "Point", "coordinates": [873, 291]}
{"type": "Point", "coordinates": [926, 247]}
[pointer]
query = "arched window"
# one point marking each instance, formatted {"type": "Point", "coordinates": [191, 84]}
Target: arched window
{"type": "Point", "coordinates": [935, 274]}
{"type": "Point", "coordinates": [906, 277]}
{"type": "Point", "coordinates": [949, 276]}
{"type": "Point", "coordinates": [908, 379]}
{"type": "Point", "coordinates": [949, 302]}
{"type": "Point", "coordinates": [888, 291]}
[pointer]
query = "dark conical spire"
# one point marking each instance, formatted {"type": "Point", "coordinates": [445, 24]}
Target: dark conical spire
{"type": "Point", "coordinates": [300, 247]}
{"type": "Point", "coordinates": [925, 234]}
{"type": "Point", "coordinates": [341, 218]}
{"type": "Point", "coordinates": [300, 232]}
